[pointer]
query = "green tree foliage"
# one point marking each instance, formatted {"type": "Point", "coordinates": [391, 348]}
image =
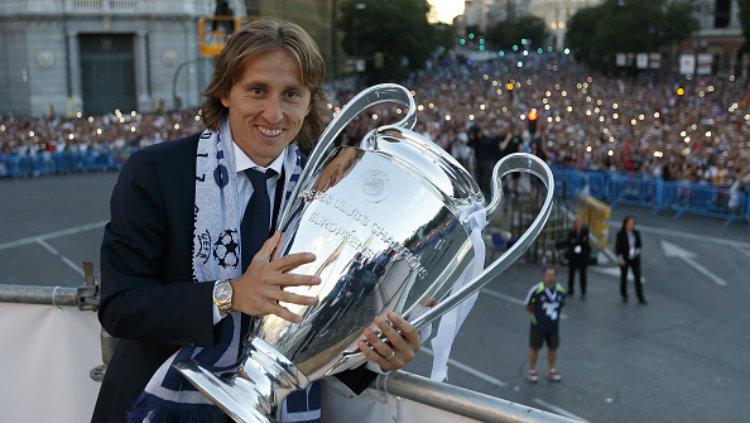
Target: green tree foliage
{"type": "Point", "coordinates": [596, 34]}
{"type": "Point", "coordinates": [396, 31]}
{"type": "Point", "coordinates": [505, 34]}
{"type": "Point", "coordinates": [444, 35]}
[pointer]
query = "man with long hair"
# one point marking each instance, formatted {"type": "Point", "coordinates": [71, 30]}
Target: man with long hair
{"type": "Point", "coordinates": [187, 256]}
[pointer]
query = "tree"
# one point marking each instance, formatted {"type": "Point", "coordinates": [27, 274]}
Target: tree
{"type": "Point", "coordinates": [393, 36]}
{"type": "Point", "coordinates": [444, 35]}
{"type": "Point", "coordinates": [579, 36]}
{"type": "Point", "coordinates": [597, 33]}
{"type": "Point", "coordinates": [505, 34]}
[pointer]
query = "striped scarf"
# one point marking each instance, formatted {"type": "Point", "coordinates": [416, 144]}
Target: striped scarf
{"type": "Point", "coordinates": [168, 398]}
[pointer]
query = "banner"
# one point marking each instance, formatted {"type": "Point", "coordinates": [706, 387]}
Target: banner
{"type": "Point", "coordinates": [687, 64]}
{"type": "Point", "coordinates": [46, 354]}
{"type": "Point", "coordinates": [641, 61]}
{"type": "Point", "coordinates": [705, 62]}
{"type": "Point", "coordinates": [654, 60]}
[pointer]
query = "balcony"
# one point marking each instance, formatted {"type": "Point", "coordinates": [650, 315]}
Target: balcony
{"type": "Point", "coordinates": [193, 8]}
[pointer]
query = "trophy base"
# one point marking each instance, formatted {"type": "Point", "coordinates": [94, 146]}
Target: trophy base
{"type": "Point", "coordinates": [255, 388]}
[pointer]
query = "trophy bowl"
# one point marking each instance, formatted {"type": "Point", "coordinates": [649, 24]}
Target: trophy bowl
{"type": "Point", "coordinates": [389, 221]}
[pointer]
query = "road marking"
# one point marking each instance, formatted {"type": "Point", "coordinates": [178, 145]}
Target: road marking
{"type": "Point", "coordinates": [512, 300]}
{"type": "Point", "coordinates": [687, 235]}
{"type": "Point", "coordinates": [470, 370]}
{"type": "Point", "coordinates": [615, 272]}
{"type": "Point", "coordinates": [675, 251]}
{"type": "Point", "coordinates": [499, 383]}
{"type": "Point", "coordinates": [559, 410]}
{"type": "Point", "coordinates": [52, 250]}
{"type": "Point", "coordinates": [52, 235]}
{"type": "Point", "coordinates": [743, 251]}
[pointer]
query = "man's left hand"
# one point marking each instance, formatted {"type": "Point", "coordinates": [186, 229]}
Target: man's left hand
{"type": "Point", "coordinates": [401, 347]}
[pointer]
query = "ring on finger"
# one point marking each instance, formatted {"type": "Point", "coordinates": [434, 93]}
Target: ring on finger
{"type": "Point", "coordinates": [390, 357]}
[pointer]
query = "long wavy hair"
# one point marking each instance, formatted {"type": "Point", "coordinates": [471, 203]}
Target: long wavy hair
{"type": "Point", "coordinates": [252, 40]}
{"type": "Point", "coordinates": [625, 223]}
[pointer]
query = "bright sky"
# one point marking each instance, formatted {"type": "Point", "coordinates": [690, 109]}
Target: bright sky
{"type": "Point", "coordinates": [446, 10]}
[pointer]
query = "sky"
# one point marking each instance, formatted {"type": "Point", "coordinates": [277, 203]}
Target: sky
{"type": "Point", "coordinates": [446, 10]}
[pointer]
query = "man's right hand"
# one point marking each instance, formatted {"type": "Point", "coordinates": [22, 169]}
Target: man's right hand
{"type": "Point", "coordinates": [260, 289]}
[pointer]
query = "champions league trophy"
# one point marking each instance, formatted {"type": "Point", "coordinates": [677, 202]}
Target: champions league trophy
{"type": "Point", "coordinates": [388, 222]}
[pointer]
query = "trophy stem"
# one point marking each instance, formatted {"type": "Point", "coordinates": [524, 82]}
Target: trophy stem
{"type": "Point", "coordinates": [253, 392]}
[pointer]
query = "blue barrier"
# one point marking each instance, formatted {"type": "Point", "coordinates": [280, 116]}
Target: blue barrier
{"type": "Point", "coordinates": [676, 196]}
{"type": "Point", "coordinates": [612, 187]}
{"type": "Point", "coordinates": [46, 163]}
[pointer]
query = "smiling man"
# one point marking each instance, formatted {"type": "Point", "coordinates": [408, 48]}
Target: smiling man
{"type": "Point", "coordinates": [186, 257]}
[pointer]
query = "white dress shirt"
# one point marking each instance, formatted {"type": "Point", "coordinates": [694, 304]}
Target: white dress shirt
{"type": "Point", "coordinates": [245, 189]}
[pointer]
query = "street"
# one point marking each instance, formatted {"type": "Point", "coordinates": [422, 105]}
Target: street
{"type": "Point", "coordinates": [684, 357]}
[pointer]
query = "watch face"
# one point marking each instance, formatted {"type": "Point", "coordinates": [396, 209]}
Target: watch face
{"type": "Point", "coordinates": [223, 293]}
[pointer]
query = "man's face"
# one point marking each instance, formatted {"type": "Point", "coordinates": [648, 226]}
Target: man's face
{"type": "Point", "coordinates": [549, 278]}
{"type": "Point", "coordinates": [267, 106]}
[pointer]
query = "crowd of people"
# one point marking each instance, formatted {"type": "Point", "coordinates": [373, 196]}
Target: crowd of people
{"type": "Point", "coordinates": [696, 131]}
{"type": "Point", "coordinates": [116, 130]}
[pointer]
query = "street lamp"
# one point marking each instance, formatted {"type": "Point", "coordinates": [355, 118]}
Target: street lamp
{"type": "Point", "coordinates": [357, 6]}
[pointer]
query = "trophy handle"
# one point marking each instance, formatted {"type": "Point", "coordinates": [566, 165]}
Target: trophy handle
{"type": "Point", "coordinates": [377, 94]}
{"type": "Point", "coordinates": [517, 162]}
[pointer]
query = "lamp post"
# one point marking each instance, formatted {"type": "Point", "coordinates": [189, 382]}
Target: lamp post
{"type": "Point", "coordinates": [357, 6]}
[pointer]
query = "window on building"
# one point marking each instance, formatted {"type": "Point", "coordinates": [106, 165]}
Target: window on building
{"type": "Point", "coordinates": [722, 13]}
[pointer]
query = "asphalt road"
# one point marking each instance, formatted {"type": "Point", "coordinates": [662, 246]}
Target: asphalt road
{"type": "Point", "coordinates": [683, 358]}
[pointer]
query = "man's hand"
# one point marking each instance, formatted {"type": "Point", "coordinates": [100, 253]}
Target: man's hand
{"type": "Point", "coordinates": [400, 349]}
{"type": "Point", "coordinates": [258, 291]}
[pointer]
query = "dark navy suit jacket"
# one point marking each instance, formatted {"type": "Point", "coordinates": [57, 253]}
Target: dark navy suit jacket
{"type": "Point", "coordinates": [148, 298]}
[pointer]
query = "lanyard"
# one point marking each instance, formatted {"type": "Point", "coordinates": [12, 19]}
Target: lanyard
{"type": "Point", "coordinates": [549, 294]}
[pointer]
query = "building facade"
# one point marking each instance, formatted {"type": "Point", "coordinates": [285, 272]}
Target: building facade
{"type": "Point", "coordinates": [94, 56]}
{"type": "Point", "coordinates": [476, 14]}
{"type": "Point", "coordinates": [719, 40]}
{"type": "Point", "coordinates": [556, 14]}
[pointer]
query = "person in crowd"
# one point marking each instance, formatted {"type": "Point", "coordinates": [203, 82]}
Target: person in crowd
{"type": "Point", "coordinates": [511, 144]}
{"type": "Point", "coordinates": [578, 254]}
{"type": "Point", "coordinates": [628, 251]}
{"type": "Point", "coordinates": [187, 263]}
{"type": "Point", "coordinates": [544, 303]}
{"type": "Point", "coordinates": [486, 151]}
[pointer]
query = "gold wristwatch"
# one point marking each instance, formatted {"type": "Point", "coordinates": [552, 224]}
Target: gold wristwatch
{"type": "Point", "coordinates": [222, 296]}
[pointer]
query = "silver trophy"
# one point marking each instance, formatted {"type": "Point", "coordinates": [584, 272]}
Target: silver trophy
{"type": "Point", "coordinates": [388, 221]}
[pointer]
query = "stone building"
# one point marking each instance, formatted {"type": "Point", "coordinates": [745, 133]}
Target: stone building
{"type": "Point", "coordinates": [719, 40]}
{"type": "Point", "coordinates": [94, 56]}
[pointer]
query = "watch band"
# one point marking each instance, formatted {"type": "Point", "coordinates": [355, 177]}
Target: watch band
{"type": "Point", "coordinates": [222, 296]}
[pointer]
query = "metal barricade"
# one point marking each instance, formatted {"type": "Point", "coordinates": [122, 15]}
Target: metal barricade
{"type": "Point", "coordinates": [679, 197]}
{"type": "Point", "coordinates": [23, 165]}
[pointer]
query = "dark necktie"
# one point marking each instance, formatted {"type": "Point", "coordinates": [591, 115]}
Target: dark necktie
{"type": "Point", "coordinates": [256, 223]}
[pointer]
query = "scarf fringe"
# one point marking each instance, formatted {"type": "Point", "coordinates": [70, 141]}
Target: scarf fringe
{"type": "Point", "coordinates": [158, 410]}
